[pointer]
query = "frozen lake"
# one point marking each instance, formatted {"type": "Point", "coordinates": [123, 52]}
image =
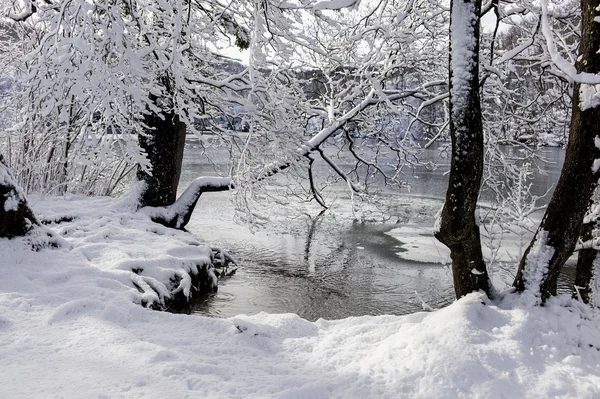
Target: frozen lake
{"type": "Point", "coordinates": [331, 266]}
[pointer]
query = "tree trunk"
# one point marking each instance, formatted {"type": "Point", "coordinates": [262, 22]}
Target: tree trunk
{"type": "Point", "coordinates": [458, 228]}
{"type": "Point", "coordinates": [585, 264]}
{"type": "Point", "coordinates": [560, 229]}
{"type": "Point", "coordinates": [16, 218]}
{"type": "Point", "coordinates": [586, 260]}
{"type": "Point", "coordinates": [163, 143]}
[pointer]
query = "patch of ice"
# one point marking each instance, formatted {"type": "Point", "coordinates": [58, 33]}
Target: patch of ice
{"type": "Point", "coordinates": [418, 244]}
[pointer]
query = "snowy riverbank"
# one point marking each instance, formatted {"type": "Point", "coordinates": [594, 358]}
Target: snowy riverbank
{"type": "Point", "coordinates": [71, 326]}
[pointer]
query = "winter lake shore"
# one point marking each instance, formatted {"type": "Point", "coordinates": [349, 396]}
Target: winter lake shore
{"type": "Point", "coordinates": [72, 326]}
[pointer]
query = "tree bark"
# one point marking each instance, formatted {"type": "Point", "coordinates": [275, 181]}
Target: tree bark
{"type": "Point", "coordinates": [585, 265]}
{"type": "Point", "coordinates": [163, 143]}
{"type": "Point", "coordinates": [458, 228]}
{"type": "Point", "coordinates": [561, 226]}
{"type": "Point", "coordinates": [585, 273]}
{"type": "Point", "coordinates": [16, 218]}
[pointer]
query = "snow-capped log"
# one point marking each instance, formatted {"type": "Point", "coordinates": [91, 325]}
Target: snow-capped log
{"type": "Point", "coordinates": [562, 222]}
{"type": "Point", "coordinates": [458, 229]}
{"type": "Point", "coordinates": [178, 214]}
{"type": "Point", "coordinates": [16, 218]}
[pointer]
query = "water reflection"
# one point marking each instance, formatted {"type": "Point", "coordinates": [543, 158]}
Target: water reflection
{"type": "Point", "coordinates": [331, 271]}
{"type": "Point", "coordinates": [321, 266]}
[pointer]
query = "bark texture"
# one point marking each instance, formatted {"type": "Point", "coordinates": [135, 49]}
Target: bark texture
{"type": "Point", "coordinates": [591, 40]}
{"type": "Point", "coordinates": [16, 217]}
{"type": "Point", "coordinates": [163, 143]}
{"type": "Point", "coordinates": [458, 229]}
{"type": "Point", "coordinates": [585, 265]}
{"type": "Point", "coordinates": [563, 219]}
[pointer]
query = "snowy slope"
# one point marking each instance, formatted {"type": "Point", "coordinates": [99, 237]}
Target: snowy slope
{"type": "Point", "coordinates": [70, 327]}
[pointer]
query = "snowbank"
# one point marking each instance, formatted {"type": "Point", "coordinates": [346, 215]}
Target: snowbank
{"type": "Point", "coordinates": [156, 262]}
{"type": "Point", "coordinates": [70, 327]}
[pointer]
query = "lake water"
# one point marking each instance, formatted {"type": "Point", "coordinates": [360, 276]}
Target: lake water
{"type": "Point", "coordinates": [330, 266]}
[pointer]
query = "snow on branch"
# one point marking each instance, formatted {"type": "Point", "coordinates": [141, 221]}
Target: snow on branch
{"type": "Point", "coordinates": [517, 50]}
{"type": "Point", "coordinates": [565, 66]}
{"type": "Point", "coordinates": [336, 4]}
{"type": "Point", "coordinates": [373, 97]}
{"type": "Point", "coordinates": [28, 10]}
{"type": "Point", "coordinates": [178, 214]}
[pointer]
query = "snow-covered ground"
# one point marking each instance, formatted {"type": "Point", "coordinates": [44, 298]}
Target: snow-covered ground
{"type": "Point", "coordinates": [71, 325]}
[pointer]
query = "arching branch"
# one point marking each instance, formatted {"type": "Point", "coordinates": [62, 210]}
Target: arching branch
{"type": "Point", "coordinates": [178, 214]}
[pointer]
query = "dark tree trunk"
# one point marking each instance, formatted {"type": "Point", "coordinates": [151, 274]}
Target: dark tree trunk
{"type": "Point", "coordinates": [458, 229]}
{"type": "Point", "coordinates": [561, 226]}
{"type": "Point", "coordinates": [16, 218]}
{"type": "Point", "coordinates": [590, 45]}
{"type": "Point", "coordinates": [163, 142]}
{"type": "Point", "coordinates": [585, 265]}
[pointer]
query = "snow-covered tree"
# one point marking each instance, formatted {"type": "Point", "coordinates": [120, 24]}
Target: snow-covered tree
{"type": "Point", "coordinates": [458, 229]}
{"type": "Point", "coordinates": [112, 80]}
{"type": "Point", "coordinates": [560, 229]}
{"type": "Point", "coordinates": [526, 98]}
{"type": "Point", "coordinates": [108, 80]}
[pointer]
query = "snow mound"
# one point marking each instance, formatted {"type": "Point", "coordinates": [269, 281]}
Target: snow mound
{"type": "Point", "coordinates": [155, 261]}
{"type": "Point", "coordinates": [69, 327]}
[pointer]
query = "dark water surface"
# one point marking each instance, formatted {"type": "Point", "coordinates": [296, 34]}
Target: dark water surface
{"type": "Point", "coordinates": [326, 267]}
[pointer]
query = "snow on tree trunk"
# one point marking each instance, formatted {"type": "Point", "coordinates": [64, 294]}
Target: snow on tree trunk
{"type": "Point", "coordinates": [458, 227]}
{"type": "Point", "coordinates": [586, 258]}
{"type": "Point", "coordinates": [562, 223]}
{"type": "Point", "coordinates": [163, 142]}
{"type": "Point", "coordinates": [16, 218]}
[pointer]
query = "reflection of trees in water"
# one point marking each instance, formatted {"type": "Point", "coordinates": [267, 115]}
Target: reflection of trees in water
{"type": "Point", "coordinates": [353, 273]}
{"type": "Point", "coordinates": [317, 270]}
{"type": "Point", "coordinates": [314, 222]}
{"type": "Point", "coordinates": [321, 272]}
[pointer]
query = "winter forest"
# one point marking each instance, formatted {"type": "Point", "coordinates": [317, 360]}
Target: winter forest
{"type": "Point", "coordinates": [300, 199]}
